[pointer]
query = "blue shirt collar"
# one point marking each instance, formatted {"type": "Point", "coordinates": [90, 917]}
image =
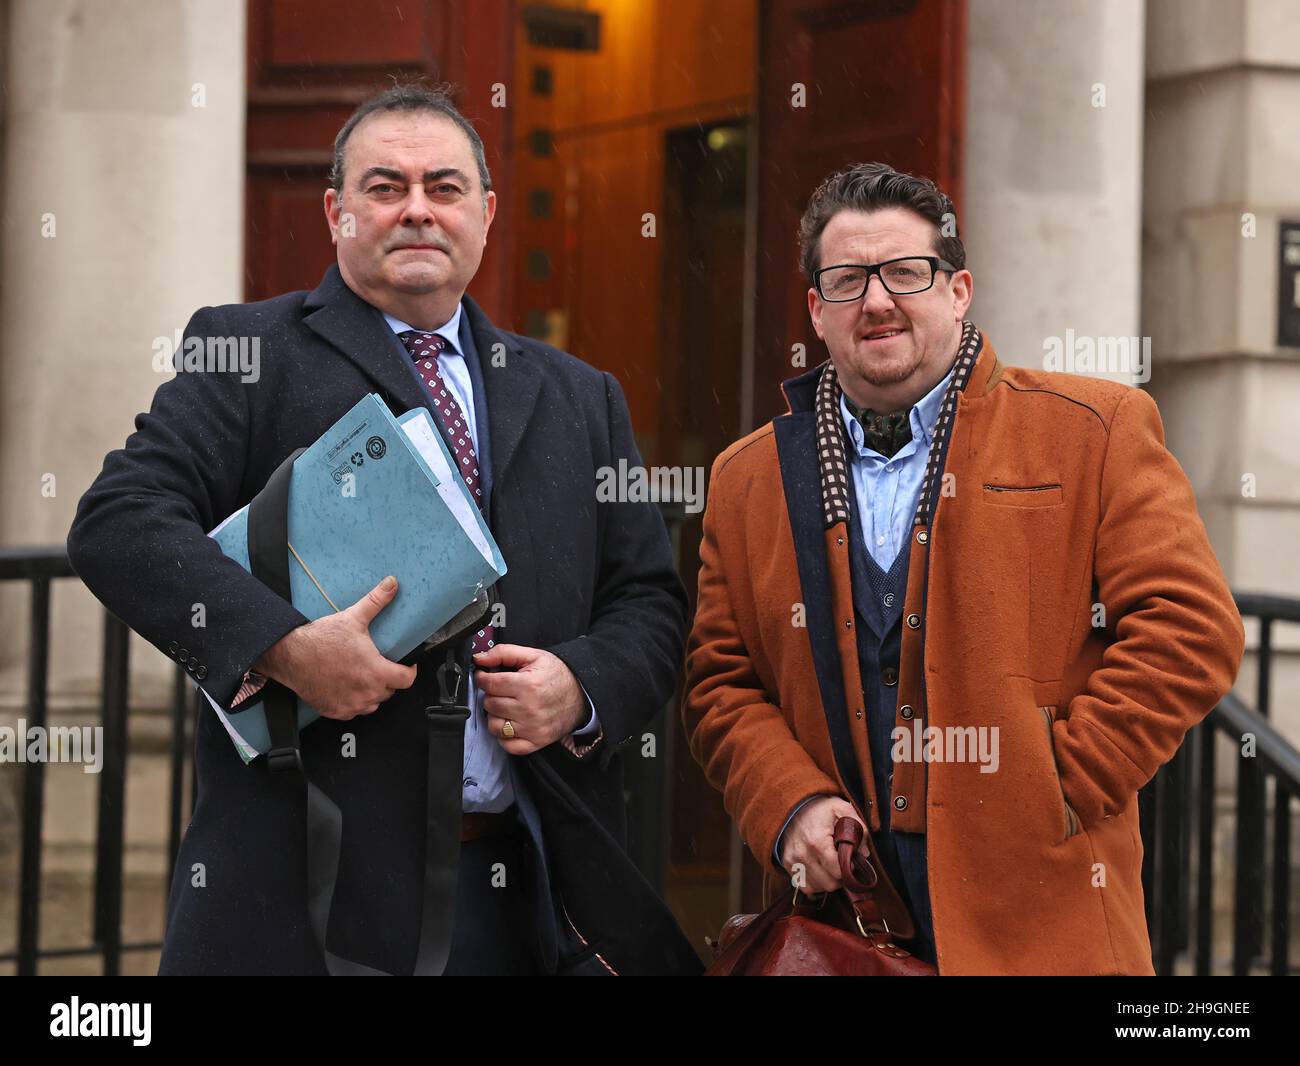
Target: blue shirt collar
{"type": "Point", "coordinates": [922, 417]}
{"type": "Point", "coordinates": [448, 331]}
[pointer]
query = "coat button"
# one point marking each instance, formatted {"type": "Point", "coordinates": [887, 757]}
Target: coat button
{"type": "Point", "coordinates": [171, 648]}
{"type": "Point", "coordinates": [201, 672]}
{"type": "Point", "coordinates": [891, 777]}
{"type": "Point", "coordinates": [913, 621]}
{"type": "Point", "coordinates": [183, 654]}
{"type": "Point", "coordinates": [922, 537]}
{"type": "Point", "coordinates": [906, 712]}
{"type": "Point", "coordinates": [889, 676]}
{"type": "Point", "coordinates": [192, 661]}
{"type": "Point", "coordinates": [900, 804]}
{"type": "Point", "coordinates": [848, 624]}
{"type": "Point", "coordinates": [889, 599]}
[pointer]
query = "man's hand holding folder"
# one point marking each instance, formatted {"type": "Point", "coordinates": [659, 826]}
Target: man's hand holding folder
{"type": "Point", "coordinates": [332, 663]}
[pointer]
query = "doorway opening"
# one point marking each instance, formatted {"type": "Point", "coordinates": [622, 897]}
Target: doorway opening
{"type": "Point", "coordinates": [632, 194]}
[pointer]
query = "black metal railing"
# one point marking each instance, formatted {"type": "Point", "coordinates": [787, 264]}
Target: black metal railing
{"type": "Point", "coordinates": [1178, 811]}
{"type": "Point", "coordinates": [1177, 808]}
{"type": "Point", "coordinates": [39, 567]}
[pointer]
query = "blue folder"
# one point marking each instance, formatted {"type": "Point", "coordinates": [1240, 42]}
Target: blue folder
{"type": "Point", "coordinates": [375, 495]}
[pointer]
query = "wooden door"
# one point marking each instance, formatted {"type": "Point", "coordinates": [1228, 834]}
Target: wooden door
{"type": "Point", "coordinates": [881, 80]}
{"type": "Point", "coordinates": [310, 63]}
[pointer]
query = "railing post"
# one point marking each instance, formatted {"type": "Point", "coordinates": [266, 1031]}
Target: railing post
{"type": "Point", "coordinates": [1186, 806]}
{"type": "Point", "coordinates": [1252, 813]}
{"type": "Point", "coordinates": [29, 892]}
{"type": "Point", "coordinates": [112, 796]}
{"type": "Point", "coordinates": [1264, 675]}
{"type": "Point", "coordinates": [1169, 808]}
{"type": "Point", "coordinates": [1281, 946]}
{"type": "Point", "coordinates": [1248, 900]}
{"type": "Point", "coordinates": [1205, 737]}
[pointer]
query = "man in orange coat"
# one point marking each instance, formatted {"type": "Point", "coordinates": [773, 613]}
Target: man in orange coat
{"type": "Point", "coordinates": [972, 606]}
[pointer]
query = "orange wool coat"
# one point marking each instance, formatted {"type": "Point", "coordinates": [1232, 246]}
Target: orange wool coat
{"type": "Point", "coordinates": [1034, 868]}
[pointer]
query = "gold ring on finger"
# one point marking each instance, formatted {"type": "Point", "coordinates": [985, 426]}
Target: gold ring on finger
{"type": "Point", "coordinates": [508, 730]}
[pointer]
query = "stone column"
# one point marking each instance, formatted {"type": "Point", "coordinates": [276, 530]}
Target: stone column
{"type": "Point", "coordinates": [1222, 155]}
{"type": "Point", "coordinates": [1053, 172]}
{"type": "Point", "coordinates": [123, 213]}
{"type": "Point", "coordinates": [1222, 158]}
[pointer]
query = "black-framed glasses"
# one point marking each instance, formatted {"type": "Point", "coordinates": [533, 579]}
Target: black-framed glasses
{"type": "Point", "coordinates": [902, 277]}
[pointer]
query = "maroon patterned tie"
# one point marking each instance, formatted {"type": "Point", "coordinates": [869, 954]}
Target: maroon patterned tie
{"type": "Point", "coordinates": [425, 349]}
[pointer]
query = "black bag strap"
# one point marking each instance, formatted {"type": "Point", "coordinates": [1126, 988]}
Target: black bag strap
{"type": "Point", "coordinates": [268, 560]}
{"type": "Point", "coordinates": [268, 556]}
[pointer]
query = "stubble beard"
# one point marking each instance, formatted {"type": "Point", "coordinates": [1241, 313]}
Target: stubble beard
{"type": "Point", "coordinates": [888, 371]}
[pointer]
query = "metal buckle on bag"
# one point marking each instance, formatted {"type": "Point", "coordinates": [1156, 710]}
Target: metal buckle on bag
{"type": "Point", "coordinates": [862, 929]}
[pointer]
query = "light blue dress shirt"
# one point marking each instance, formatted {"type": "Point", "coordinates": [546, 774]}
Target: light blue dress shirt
{"type": "Point", "coordinates": [486, 784]}
{"type": "Point", "coordinates": [888, 489]}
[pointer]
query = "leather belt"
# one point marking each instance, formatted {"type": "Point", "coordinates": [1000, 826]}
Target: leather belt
{"type": "Point", "coordinates": [475, 824]}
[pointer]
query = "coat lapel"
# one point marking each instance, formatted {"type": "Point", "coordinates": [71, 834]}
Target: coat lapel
{"type": "Point", "coordinates": [341, 317]}
{"type": "Point", "coordinates": [801, 483]}
{"type": "Point", "coordinates": [512, 383]}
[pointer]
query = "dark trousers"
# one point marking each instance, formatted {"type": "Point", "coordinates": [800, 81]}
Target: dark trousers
{"type": "Point", "coordinates": [493, 934]}
{"type": "Point", "coordinates": [904, 857]}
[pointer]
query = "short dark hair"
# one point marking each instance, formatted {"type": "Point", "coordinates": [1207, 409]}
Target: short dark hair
{"type": "Point", "coordinates": [869, 187]}
{"type": "Point", "coordinates": [411, 96]}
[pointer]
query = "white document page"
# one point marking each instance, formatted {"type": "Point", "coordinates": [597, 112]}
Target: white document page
{"type": "Point", "coordinates": [421, 434]}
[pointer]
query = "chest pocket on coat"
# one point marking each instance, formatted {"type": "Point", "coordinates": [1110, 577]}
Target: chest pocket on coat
{"type": "Point", "coordinates": [1007, 495]}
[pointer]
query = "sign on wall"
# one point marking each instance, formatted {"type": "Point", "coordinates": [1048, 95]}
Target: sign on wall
{"type": "Point", "coordinates": [1288, 282]}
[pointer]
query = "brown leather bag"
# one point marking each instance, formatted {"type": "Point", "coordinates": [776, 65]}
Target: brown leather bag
{"type": "Point", "coordinates": [850, 933]}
